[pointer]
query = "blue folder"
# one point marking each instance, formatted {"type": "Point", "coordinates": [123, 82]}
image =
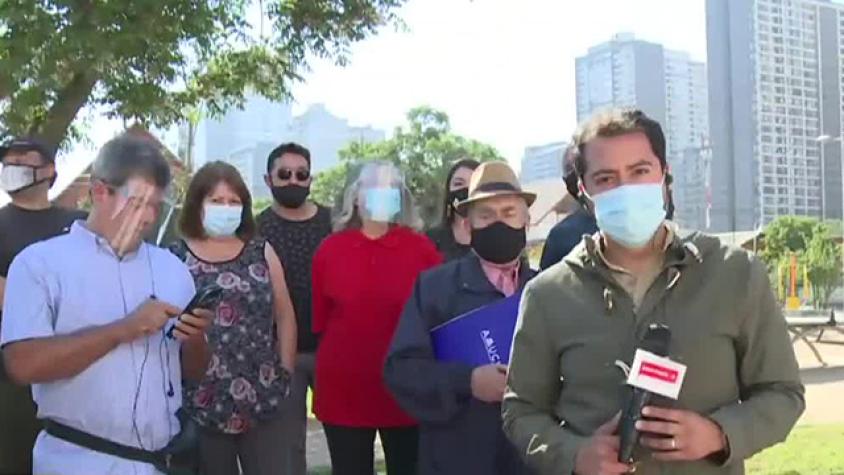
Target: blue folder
{"type": "Point", "coordinates": [480, 337]}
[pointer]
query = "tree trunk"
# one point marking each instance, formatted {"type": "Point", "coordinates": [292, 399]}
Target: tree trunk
{"type": "Point", "coordinates": [53, 128]}
{"type": "Point", "coordinates": [5, 90]}
{"type": "Point", "coordinates": [191, 140]}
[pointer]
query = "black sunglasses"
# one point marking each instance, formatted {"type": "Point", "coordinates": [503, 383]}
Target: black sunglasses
{"type": "Point", "coordinates": [301, 175]}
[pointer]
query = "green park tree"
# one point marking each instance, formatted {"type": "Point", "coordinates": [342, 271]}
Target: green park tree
{"type": "Point", "coordinates": [260, 204]}
{"type": "Point", "coordinates": [823, 259]}
{"type": "Point", "coordinates": [786, 235]}
{"type": "Point", "coordinates": [812, 242]}
{"type": "Point", "coordinates": [424, 149]}
{"type": "Point", "coordinates": [156, 61]}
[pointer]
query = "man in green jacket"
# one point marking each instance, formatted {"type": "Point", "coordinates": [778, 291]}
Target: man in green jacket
{"type": "Point", "coordinates": [581, 320]}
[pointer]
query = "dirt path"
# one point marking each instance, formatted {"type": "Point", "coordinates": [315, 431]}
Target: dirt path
{"type": "Point", "coordinates": [824, 385]}
{"type": "Point", "coordinates": [318, 448]}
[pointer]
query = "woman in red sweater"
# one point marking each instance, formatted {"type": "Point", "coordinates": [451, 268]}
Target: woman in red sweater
{"type": "Point", "coordinates": [362, 276]}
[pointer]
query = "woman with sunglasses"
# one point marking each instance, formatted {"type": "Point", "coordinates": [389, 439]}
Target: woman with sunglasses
{"type": "Point", "coordinates": [295, 226]}
{"type": "Point", "coordinates": [362, 277]}
{"type": "Point", "coordinates": [452, 236]}
{"type": "Point", "coordinates": [253, 339]}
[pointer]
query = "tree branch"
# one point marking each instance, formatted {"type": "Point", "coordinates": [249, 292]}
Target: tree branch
{"type": "Point", "coordinates": [5, 88]}
{"type": "Point", "coordinates": [52, 129]}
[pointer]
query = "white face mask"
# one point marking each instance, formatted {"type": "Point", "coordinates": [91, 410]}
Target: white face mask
{"type": "Point", "coordinates": [14, 178]}
{"type": "Point", "coordinates": [221, 220]}
{"type": "Point", "coordinates": [631, 214]}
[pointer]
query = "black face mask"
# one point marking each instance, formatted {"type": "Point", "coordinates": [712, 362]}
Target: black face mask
{"type": "Point", "coordinates": [290, 196]}
{"type": "Point", "coordinates": [454, 197]}
{"type": "Point", "coordinates": [499, 243]}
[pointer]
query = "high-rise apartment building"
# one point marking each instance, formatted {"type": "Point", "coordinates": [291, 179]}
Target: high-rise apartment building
{"type": "Point", "coordinates": [245, 137]}
{"type": "Point", "coordinates": [667, 85]}
{"type": "Point", "coordinates": [325, 134]}
{"type": "Point", "coordinates": [260, 120]}
{"type": "Point", "coordinates": [621, 72]}
{"type": "Point", "coordinates": [776, 66]}
{"type": "Point", "coordinates": [691, 188]}
{"type": "Point", "coordinates": [687, 121]}
{"type": "Point", "coordinates": [543, 162]}
{"type": "Point", "coordinates": [251, 162]}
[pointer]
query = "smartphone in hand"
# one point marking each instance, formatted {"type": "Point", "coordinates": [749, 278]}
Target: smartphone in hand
{"type": "Point", "coordinates": [207, 298]}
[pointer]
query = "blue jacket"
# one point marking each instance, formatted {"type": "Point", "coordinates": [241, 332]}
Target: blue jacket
{"type": "Point", "coordinates": [458, 435]}
{"type": "Point", "coordinates": [565, 235]}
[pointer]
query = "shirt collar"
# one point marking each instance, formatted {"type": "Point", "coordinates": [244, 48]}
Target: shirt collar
{"type": "Point", "coordinates": [80, 230]}
{"type": "Point", "coordinates": [392, 238]}
{"type": "Point", "coordinates": [508, 267]}
{"type": "Point", "coordinates": [494, 273]}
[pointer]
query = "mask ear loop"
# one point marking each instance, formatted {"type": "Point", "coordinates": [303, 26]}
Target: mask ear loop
{"type": "Point", "coordinates": [52, 178]}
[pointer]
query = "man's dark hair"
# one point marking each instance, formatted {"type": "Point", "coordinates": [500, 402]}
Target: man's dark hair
{"type": "Point", "coordinates": [669, 206]}
{"type": "Point", "coordinates": [569, 173]}
{"type": "Point", "coordinates": [125, 157]}
{"type": "Point", "coordinates": [614, 123]}
{"type": "Point", "coordinates": [203, 183]}
{"type": "Point", "coordinates": [289, 147]}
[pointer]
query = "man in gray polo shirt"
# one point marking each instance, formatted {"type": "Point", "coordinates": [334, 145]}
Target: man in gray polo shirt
{"type": "Point", "coordinates": [85, 318]}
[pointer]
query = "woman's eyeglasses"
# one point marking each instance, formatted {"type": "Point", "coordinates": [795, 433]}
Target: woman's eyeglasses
{"type": "Point", "coordinates": [301, 175]}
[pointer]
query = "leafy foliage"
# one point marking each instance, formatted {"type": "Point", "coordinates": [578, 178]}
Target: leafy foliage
{"type": "Point", "coordinates": [823, 258]}
{"type": "Point", "coordinates": [424, 150]}
{"type": "Point", "coordinates": [154, 61]}
{"type": "Point", "coordinates": [811, 241]}
{"type": "Point", "coordinates": [329, 184]}
{"type": "Point", "coordinates": [786, 235]}
{"type": "Point", "coordinates": [260, 205]}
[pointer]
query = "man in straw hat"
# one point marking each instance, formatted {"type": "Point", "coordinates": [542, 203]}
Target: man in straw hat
{"type": "Point", "coordinates": [458, 403]}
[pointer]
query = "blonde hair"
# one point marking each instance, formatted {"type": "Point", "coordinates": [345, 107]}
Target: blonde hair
{"type": "Point", "coordinates": [348, 216]}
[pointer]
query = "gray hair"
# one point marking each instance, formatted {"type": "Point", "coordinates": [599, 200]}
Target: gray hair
{"type": "Point", "coordinates": [348, 216]}
{"type": "Point", "coordinates": [124, 157]}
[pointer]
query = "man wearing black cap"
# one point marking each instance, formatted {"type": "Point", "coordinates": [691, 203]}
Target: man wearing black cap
{"type": "Point", "coordinates": [27, 173]}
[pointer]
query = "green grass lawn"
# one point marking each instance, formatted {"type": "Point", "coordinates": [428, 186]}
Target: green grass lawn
{"type": "Point", "coordinates": [810, 450]}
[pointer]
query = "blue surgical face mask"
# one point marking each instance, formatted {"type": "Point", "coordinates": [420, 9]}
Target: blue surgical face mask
{"type": "Point", "coordinates": [382, 204]}
{"type": "Point", "coordinates": [221, 220]}
{"type": "Point", "coordinates": [631, 214]}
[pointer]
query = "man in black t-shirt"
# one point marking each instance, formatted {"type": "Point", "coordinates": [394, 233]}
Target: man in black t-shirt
{"type": "Point", "coordinates": [295, 227]}
{"type": "Point", "coordinates": [28, 172]}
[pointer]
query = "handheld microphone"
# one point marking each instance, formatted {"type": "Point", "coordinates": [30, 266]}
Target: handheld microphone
{"type": "Point", "coordinates": [656, 341]}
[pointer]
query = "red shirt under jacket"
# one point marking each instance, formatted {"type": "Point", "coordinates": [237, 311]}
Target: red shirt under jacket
{"type": "Point", "coordinates": [360, 286]}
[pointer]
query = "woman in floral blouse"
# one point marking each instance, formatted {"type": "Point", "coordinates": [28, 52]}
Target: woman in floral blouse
{"type": "Point", "coordinates": [253, 339]}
